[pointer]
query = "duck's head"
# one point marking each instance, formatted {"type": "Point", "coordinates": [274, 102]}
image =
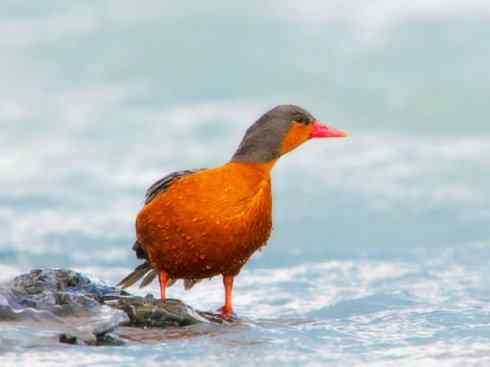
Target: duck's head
{"type": "Point", "coordinates": [279, 131]}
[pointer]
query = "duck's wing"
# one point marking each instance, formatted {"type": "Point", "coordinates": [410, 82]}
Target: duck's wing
{"type": "Point", "coordinates": [164, 183]}
{"type": "Point", "coordinates": [145, 270]}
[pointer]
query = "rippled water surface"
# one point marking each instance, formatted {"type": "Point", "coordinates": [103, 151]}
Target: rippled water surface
{"type": "Point", "coordinates": [379, 254]}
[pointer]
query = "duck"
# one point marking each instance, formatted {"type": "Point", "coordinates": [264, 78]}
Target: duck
{"type": "Point", "coordinates": [199, 223]}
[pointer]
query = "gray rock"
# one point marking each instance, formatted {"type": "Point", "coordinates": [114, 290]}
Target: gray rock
{"type": "Point", "coordinates": [89, 312]}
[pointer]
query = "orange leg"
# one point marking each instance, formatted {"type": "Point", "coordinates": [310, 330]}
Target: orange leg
{"type": "Point", "coordinates": [163, 278]}
{"type": "Point", "coordinates": [227, 310]}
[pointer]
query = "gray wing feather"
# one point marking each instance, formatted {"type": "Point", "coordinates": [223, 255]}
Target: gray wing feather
{"type": "Point", "coordinates": [164, 183]}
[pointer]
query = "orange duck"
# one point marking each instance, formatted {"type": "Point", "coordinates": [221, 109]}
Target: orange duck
{"type": "Point", "coordinates": [196, 224]}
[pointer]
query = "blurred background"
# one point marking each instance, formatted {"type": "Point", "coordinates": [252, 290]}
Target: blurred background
{"type": "Point", "coordinates": [100, 99]}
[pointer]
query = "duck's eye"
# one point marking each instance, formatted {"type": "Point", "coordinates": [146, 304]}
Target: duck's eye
{"type": "Point", "coordinates": [302, 119]}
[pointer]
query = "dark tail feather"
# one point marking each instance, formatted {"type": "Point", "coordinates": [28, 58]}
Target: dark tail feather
{"type": "Point", "coordinates": [144, 270]}
{"type": "Point", "coordinates": [138, 273]}
{"type": "Point", "coordinates": [148, 278]}
{"type": "Point", "coordinates": [189, 283]}
{"type": "Point", "coordinates": [152, 275]}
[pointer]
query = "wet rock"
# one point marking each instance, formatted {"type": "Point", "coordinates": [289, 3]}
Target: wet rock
{"type": "Point", "coordinates": [89, 312]}
{"type": "Point", "coordinates": [60, 291]}
{"type": "Point", "coordinates": [149, 312]}
{"type": "Point", "coordinates": [68, 339]}
{"type": "Point", "coordinates": [109, 340]}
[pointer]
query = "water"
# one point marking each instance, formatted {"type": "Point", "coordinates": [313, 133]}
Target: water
{"type": "Point", "coordinates": [380, 243]}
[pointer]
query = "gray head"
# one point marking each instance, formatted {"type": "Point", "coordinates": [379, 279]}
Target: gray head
{"type": "Point", "coordinates": [263, 141]}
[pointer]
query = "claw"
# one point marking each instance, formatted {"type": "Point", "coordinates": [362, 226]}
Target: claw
{"type": "Point", "coordinates": [226, 313]}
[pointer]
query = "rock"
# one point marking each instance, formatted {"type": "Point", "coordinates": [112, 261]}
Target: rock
{"type": "Point", "coordinates": [149, 312]}
{"type": "Point", "coordinates": [109, 339]}
{"type": "Point", "coordinates": [68, 339]}
{"type": "Point", "coordinates": [87, 311]}
{"type": "Point", "coordinates": [62, 292]}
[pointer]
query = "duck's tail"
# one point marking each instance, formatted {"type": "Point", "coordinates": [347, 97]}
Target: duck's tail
{"type": "Point", "coordinates": [148, 274]}
{"type": "Point", "coordinates": [138, 272]}
{"type": "Point", "coordinates": [144, 271]}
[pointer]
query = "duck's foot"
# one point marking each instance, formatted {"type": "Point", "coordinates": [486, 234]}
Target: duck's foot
{"type": "Point", "coordinates": [226, 314]}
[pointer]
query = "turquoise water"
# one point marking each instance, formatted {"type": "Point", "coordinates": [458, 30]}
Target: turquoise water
{"type": "Point", "coordinates": [379, 254]}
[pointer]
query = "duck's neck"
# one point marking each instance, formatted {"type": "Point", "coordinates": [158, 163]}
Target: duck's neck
{"type": "Point", "coordinates": [263, 169]}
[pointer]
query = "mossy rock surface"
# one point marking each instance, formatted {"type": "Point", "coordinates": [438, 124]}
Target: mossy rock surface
{"type": "Point", "coordinates": [150, 312]}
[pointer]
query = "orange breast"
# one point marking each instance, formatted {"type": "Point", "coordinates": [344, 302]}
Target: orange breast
{"type": "Point", "coordinates": [208, 223]}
